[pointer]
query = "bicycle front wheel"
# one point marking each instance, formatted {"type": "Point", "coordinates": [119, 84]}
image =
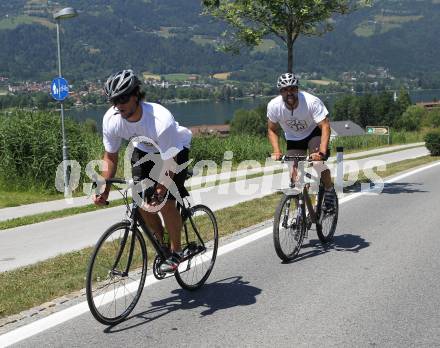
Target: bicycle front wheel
{"type": "Point", "coordinates": [288, 228]}
{"type": "Point", "coordinates": [326, 225]}
{"type": "Point", "coordinates": [199, 246]}
{"type": "Point", "coordinates": [116, 273]}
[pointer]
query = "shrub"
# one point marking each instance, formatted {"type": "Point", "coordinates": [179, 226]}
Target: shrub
{"type": "Point", "coordinates": [31, 148]}
{"type": "Point", "coordinates": [434, 118]}
{"type": "Point", "coordinates": [432, 140]}
{"type": "Point", "coordinates": [411, 119]}
{"type": "Point", "coordinates": [244, 147]}
{"type": "Point", "coordinates": [252, 122]}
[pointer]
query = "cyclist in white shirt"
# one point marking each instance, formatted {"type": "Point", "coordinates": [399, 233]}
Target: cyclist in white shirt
{"type": "Point", "coordinates": [304, 120]}
{"type": "Point", "coordinates": [159, 142]}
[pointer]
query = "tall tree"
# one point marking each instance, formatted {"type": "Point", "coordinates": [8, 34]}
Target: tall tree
{"type": "Point", "coordinates": [286, 19]}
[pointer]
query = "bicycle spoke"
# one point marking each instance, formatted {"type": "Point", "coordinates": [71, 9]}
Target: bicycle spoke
{"type": "Point", "coordinates": [201, 233]}
{"type": "Point", "coordinates": [112, 299]}
{"type": "Point", "coordinates": [288, 232]}
{"type": "Point", "coordinates": [327, 223]}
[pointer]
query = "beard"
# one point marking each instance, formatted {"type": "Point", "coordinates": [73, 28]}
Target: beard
{"type": "Point", "coordinates": [291, 99]}
{"type": "Point", "coordinates": [127, 112]}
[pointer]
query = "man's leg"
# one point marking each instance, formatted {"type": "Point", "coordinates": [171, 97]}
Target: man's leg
{"type": "Point", "coordinates": [326, 178]}
{"type": "Point", "coordinates": [173, 223]}
{"type": "Point", "coordinates": [296, 148]}
{"type": "Point", "coordinates": [154, 223]}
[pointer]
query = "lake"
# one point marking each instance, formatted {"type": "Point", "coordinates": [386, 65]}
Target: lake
{"type": "Point", "coordinates": [210, 112]}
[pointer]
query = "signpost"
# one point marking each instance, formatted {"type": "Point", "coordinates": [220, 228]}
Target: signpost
{"type": "Point", "coordinates": [379, 130]}
{"type": "Point", "coordinates": [59, 89]}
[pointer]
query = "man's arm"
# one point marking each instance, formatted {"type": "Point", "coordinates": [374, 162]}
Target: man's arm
{"type": "Point", "coordinates": [324, 125]}
{"type": "Point", "coordinates": [110, 166]}
{"type": "Point", "coordinates": [272, 129]}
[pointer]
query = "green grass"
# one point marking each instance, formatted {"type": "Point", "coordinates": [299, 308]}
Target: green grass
{"type": "Point", "coordinates": [203, 40]}
{"type": "Point", "coordinates": [398, 167]}
{"type": "Point", "coordinates": [17, 198]}
{"type": "Point", "coordinates": [33, 219]}
{"type": "Point", "coordinates": [178, 77]}
{"type": "Point", "coordinates": [382, 24]}
{"type": "Point", "coordinates": [369, 142]}
{"type": "Point", "coordinates": [13, 22]}
{"type": "Point", "coordinates": [30, 286]}
{"type": "Point", "coordinates": [382, 153]}
{"type": "Point", "coordinates": [322, 82]}
{"type": "Point", "coordinates": [13, 199]}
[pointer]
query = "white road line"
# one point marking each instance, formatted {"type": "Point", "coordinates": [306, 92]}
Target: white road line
{"type": "Point", "coordinates": [52, 320]}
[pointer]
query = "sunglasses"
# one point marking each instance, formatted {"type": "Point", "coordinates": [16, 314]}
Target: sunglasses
{"type": "Point", "coordinates": [288, 89]}
{"type": "Point", "coordinates": [122, 99]}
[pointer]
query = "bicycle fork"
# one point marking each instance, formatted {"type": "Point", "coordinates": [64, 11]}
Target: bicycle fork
{"type": "Point", "coordinates": [302, 218]}
{"type": "Point", "coordinates": [122, 245]}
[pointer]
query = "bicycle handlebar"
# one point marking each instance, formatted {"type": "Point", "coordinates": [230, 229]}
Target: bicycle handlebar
{"type": "Point", "coordinates": [96, 183]}
{"type": "Point", "coordinates": [286, 158]}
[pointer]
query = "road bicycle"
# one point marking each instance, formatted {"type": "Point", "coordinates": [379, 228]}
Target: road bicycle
{"type": "Point", "coordinates": [118, 265]}
{"type": "Point", "coordinates": [297, 211]}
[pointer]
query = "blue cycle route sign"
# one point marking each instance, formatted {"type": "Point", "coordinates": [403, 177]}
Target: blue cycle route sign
{"type": "Point", "coordinates": [59, 89]}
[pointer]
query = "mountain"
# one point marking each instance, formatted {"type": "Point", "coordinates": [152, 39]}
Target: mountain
{"type": "Point", "coordinates": [170, 36]}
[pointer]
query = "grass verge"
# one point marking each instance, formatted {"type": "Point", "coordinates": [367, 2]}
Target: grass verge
{"type": "Point", "coordinates": [381, 153]}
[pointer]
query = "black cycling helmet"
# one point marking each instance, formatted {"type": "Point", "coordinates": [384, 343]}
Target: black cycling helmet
{"type": "Point", "coordinates": [121, 83]}
{"type": "Point", "coordinates": [287, 80]}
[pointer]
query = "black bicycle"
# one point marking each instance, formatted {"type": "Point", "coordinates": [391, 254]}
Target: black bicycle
{"type": "Point", "coordinates": [296, 213]}
{"type": "Point", "coordinates": [118, 266]}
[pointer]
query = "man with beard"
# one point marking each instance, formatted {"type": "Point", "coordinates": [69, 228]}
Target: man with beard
{"type": "Point", "coordinates": [304, 120]}
{"type": "Point", "coordinates": [159, 142]}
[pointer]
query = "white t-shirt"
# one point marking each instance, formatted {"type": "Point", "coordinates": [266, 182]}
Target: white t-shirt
{"type": "Point", "coordinates": [157, 124]}
{"type": "Point", "coordinates": [299, 123]}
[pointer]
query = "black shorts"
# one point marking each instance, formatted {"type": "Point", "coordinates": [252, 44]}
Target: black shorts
{"type": "Point", "coordinates": [311, 143]}
{"type": "Point", "coordinates": [143, 170]}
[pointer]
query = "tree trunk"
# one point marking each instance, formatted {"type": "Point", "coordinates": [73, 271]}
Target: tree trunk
{"type": "Point", "coordinates": [290, 55]}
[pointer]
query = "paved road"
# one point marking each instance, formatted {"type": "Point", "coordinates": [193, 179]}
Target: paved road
{"type": "Point", "coordinates": [51, 238]}
{"type": "Point", "coordinates": [376, 285]}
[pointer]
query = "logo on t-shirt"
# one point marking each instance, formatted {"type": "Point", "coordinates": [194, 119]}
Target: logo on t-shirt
{"type": "Point", "coordinates": [146, 143]}
{"type": "Point", "coordinates": [297, 125]}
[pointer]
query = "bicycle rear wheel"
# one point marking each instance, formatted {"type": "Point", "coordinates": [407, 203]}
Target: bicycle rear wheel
{"type": "Point", "coordinates": [199, 247]}
{"type": "Point", "coordinates": [326, 225]}
{"type": "Point", "coordinates": [288, 228]}
{"type": "Point", "coordinates": [116, 273]}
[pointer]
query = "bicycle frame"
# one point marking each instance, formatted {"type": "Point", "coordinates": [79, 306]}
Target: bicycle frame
{"type": "Point", "coordinates": [308, 202]}
{"type": "Point", "coordinates": [125, 243]}
{"type": "Point", "coordinates": [303, 194]}
{"type": "Point", "coordinates": [136, 220]}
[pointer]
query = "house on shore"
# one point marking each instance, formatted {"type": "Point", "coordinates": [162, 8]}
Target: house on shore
{"type": "Point", "coordinates": [214, 129]}
{"type": "Point", "coordinates": [344, 129]}
{"type": "Point", "coordinates": [430, 105]}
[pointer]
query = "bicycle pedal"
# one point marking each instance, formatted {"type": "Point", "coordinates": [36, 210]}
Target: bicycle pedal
{"type": "Point", "coordinates": [158, 274]}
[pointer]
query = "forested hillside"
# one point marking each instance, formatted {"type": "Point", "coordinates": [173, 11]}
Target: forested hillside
{"type": "Point", "coordinates": [166, 36]}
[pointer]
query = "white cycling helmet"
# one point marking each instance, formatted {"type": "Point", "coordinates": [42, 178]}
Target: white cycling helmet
{"type": "Point", "coordinates": [121, 83]}
{"type": "Point", "coordinates": [287, 80]}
